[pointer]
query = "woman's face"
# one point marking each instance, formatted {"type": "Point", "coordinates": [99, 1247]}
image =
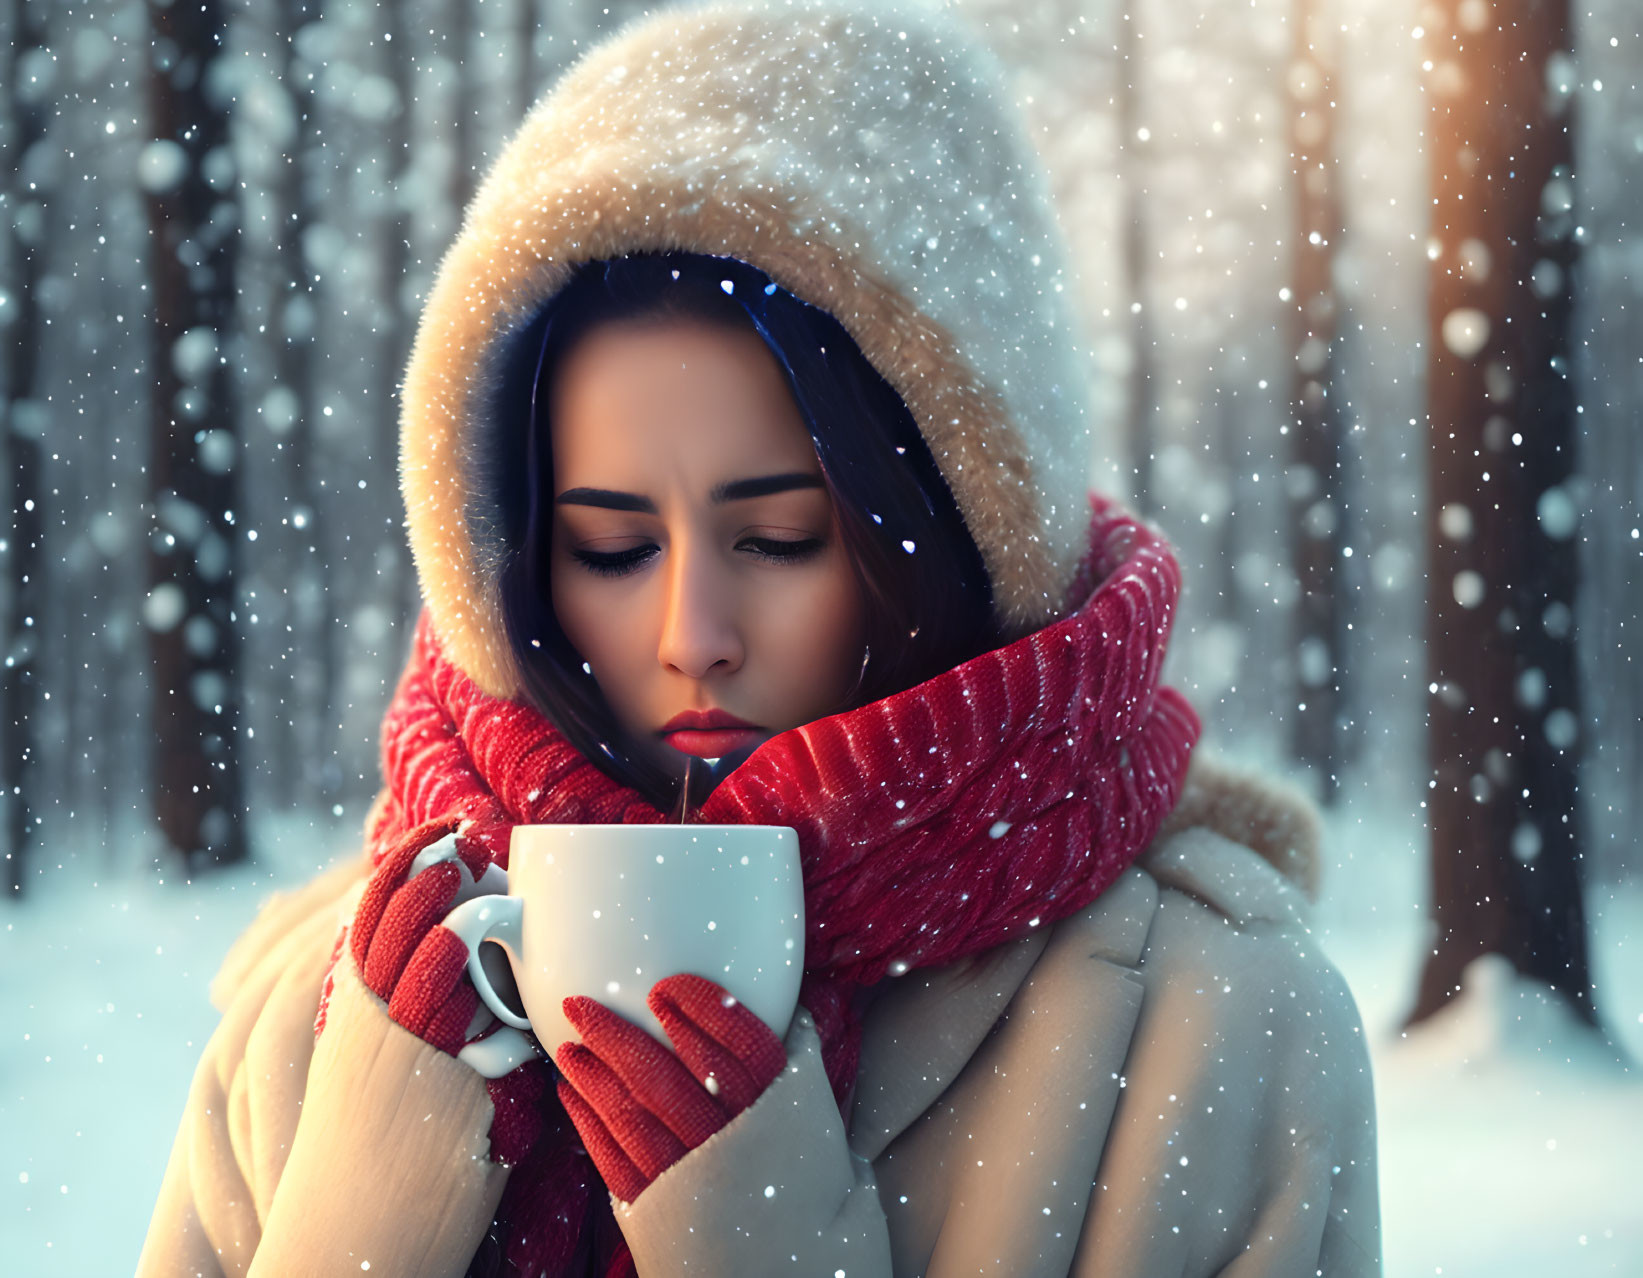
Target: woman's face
{"type": "Point", "coordinates": [696, 561]}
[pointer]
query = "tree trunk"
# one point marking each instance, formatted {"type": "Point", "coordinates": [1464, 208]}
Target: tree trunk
{"type": "Point", "coordinates": [313, 678]}
{"type": "Point", "coordinates": [23, 420]}
{"type": "Point", "coordinates": [402, 311]}
{"type": "Point", "coordinates": [188, 173]}
{"type": "Point", "coordinates": [1504, 726]}
{"type": "Point", "coordinates": [1143, 392]}
{"type": "Point", "coordinates": [1317, 509]}
{"type": "Point", "coordinates": [465, 130]}
{"type": "Point", "coordinates": [525, 68]}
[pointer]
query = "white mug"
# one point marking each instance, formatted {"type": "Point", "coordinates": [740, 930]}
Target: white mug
{"type": "Point", "coordinates": [608, 910]}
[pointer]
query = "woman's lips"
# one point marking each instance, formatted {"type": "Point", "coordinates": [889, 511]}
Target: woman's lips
{"type": "Point", "coordinates": [712, 743]}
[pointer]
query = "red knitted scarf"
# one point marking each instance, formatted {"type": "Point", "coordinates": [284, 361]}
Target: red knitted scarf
{"type": "Point", "coordinates": [999, 796]}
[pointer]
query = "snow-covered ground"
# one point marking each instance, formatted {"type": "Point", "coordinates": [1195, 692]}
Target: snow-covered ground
{"type": "Point", "coordinates": [104, 1006]}
{"type": "Point", "coordinates": [1508, 1147]}
{"type": "Point", "coordinates": [1511, 1142]}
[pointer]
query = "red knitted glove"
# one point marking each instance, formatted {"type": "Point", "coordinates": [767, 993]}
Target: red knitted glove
{"type": "Point", "coordinates": [419, 968]}
{"type": "Point", "coordinates": [638, 1107]}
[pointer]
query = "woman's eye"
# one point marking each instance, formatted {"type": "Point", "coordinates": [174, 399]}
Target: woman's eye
{"type": "Point", "coordinates": [788, 551]}
{"type": "Point", "coordinates": [625, 561]}
{"type": "Point", "coordinates": [617, 565]}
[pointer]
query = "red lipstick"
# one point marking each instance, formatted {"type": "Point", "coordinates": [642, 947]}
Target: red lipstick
{"type": "Point", "coordinates": [709, 734]}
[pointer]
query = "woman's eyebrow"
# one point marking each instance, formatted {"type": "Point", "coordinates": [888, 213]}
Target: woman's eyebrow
{"type": "Point", "coordinates": [763, 486]}
{"type": "Point", "coordinates": [731, 490]}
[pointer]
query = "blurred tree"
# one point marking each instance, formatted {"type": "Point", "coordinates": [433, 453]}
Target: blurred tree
{"type": "Point", "coordinates": [1316, 507]}
{"type": "Point", "coordinates": [310, 673]}
{"type": "Point", "coordinates": [1142, 398]}
{"type": "Point", "coordinates": [437, 123]}
{"type": "Point", "coordinates": [274, 322]}
{"type": "Point", "coordinates": [28, 75]}
{"type": "Point", "coordinates": [401, 305]}
{"type": "Point", "coordinates": [465, 106]}
{"type": "Point", "coordinates": [1504, 716]}
{"type": "Point", "coordinates": [187, 170]}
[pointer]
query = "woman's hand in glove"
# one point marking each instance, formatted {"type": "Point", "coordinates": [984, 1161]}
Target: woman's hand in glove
{"type": "Point", "coordinates": [639, 1107]}
{"type": "Point", "coordinates": [419, 967]}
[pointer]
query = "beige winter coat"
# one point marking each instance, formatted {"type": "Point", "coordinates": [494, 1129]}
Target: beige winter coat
{"type": "Point", "coordinates": [1172, 1082]}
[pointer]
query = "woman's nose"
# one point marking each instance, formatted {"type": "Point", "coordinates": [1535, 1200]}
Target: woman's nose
{"type": "Point", "coordinates": [700, 632]}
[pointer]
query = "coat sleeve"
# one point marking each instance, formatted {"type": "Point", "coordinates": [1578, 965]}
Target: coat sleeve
{"type": "Point", "coordinates": [231, 1144]}
{"type": "Point", "coordinates": [313, 1158]}
{"type": "Point", "coordinates": [775, 1191]}
{"type": "Point", "coordinates": [1245, 1147]}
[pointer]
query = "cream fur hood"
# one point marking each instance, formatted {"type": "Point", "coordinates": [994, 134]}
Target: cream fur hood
{"type": "Point", "coordinates": [867, 158]}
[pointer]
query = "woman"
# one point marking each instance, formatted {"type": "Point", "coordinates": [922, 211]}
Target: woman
{"type": "Point", "coordinates": [1041, 1030]}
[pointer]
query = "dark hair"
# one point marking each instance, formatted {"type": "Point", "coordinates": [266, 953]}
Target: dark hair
{"type": "Point", "coordinates": [929, 600]}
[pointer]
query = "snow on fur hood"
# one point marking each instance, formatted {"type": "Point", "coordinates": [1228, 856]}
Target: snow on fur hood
{"type": "Point", "coordinates": [868, 159]}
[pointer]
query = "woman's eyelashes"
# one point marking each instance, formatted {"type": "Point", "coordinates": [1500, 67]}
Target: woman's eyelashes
{"type": "Point", "coordinates": [616, 565]}
{"type": "Point", "coordinates": [769, 549]}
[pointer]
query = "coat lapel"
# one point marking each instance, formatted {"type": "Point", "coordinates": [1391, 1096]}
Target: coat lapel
{"type": "Point", "coordinates": [923, 1029]}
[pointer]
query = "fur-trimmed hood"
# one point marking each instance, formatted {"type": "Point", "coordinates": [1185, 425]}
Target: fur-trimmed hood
{"type": "Point", "coordinates": [867, 158]}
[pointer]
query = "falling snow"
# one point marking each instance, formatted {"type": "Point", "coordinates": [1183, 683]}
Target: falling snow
{"type": "Point", "coordinates": [1169, 134]}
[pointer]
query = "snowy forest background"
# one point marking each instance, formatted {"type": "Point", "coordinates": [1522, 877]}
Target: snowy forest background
{"type": "Point", "coordinates": [1394, 434]}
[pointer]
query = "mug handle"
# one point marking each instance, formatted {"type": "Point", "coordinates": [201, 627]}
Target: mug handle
{"type": "Point", "coordinates": [477, 920]}
{"type": "Point", "coordinates": [498, 1053]}
{"type": "Point", "coordinates": [489, 918]}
